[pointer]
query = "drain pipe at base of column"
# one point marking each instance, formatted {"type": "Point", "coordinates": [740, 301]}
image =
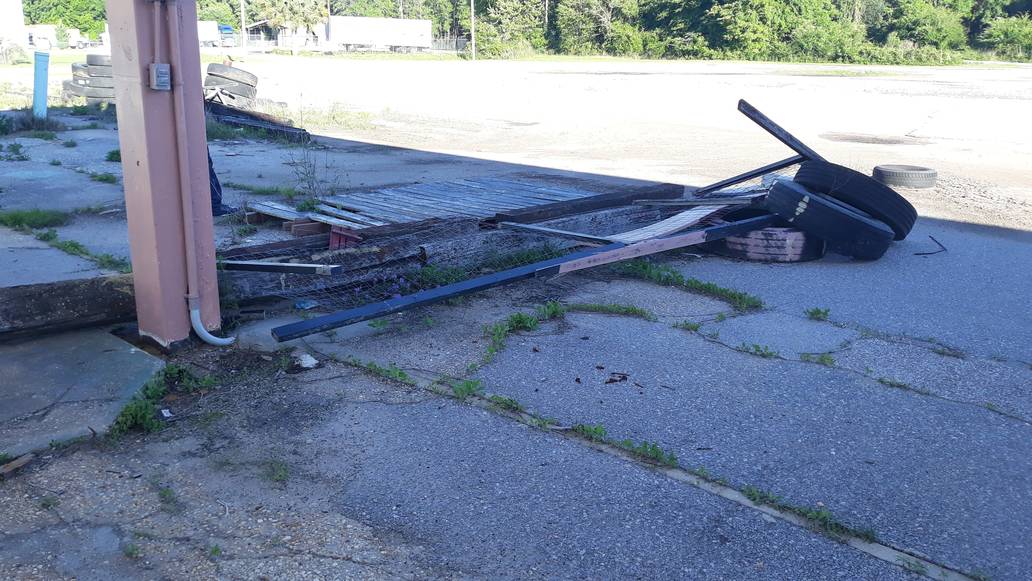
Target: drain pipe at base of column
{"type": "Point", "coordinates": [179, 104]}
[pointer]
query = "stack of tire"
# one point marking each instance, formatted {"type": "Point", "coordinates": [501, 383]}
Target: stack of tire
{"type": "Point", "coordinates": [854, 214]}
{"type": "Point", "coordinates": [93, 80]}
{"type": "Point", "coordinates": [231, 86]}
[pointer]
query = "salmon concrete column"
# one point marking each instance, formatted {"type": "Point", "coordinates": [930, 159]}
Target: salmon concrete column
{"type": "Point", "coordinates": [147, 133]}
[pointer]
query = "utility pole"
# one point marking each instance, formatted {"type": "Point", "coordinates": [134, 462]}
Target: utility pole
{"type": "Point", "coordinates": [401, 8]}
{"type": "Point", "coordinates": [473, 28]}
{"type": "Point", "coordinates": [243, 25]}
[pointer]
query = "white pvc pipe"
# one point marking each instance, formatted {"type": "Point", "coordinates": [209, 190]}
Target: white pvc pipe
{"type": "Point", "coordinates": [186, 196]}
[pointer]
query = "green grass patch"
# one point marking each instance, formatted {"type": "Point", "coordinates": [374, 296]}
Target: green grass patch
{"type": "Point", "coordinates": [821, 518]}
{"type": "Point", "coordinates": [467, 387]}
{"type": "Point", "coordinates": [521, 322]}
{"type": "Point", "coordinates": [70, 143]}
{"type": "Point", "coordinates": [551, 310]}
{"type": "Point", "coordinates": [104, 178]}
{"type": "Point", "coordinates": [246, 230]}
{"type": "Point", "coordinates": [288, 192]}
{"type": "Point", "coordinates": [114, 155]}
{"type": "Point", "coordinates": [667, 276]}
{"type": "Point", "coordinates": [613, 309]}
{"type": "Point", "coordinates": [306, 205]}
{"type": "Point", "coordinates": [36, 218]}
{"type": "Point", "coordinates": [140, 414]}
{"type": "Point", "coordinates": [42, 134]}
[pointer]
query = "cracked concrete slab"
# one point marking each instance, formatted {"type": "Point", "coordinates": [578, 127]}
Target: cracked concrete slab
{"type": "Point", "coordinates": [61, 386]}
{"type": "Point", "coordinates": [668, 304]}
{"type": "Point", "coordinates": [953, 297]}
{"type": "Point", "coordinates": [939, 477]}
{"type": "Point", "coordinates": [30, 261]}
{"type": "Point", "coordinates": [788, 335]}
{"type": "Point", "coordinates": [994, 384]}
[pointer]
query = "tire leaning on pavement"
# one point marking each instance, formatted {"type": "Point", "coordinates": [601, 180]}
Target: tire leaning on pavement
{"type": "Point", "coordinates": [905, 176]}
{"type": "Point", "coordinates": [98, 59]}
{"type": "Point", "coordinates": [846, 230]}
{"type": "Point", "coordinates": [861, 192]}
{"type": "Point", "coordinates": [233, 74]}
{"type": "Point", "coordinates": [231, 87]}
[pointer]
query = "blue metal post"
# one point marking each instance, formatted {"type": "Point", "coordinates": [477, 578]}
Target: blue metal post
{"type": "Point", "coordinates": [39, 91]}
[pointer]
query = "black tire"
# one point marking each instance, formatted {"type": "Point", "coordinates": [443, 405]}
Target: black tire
{"type": "Point", "coordinates": [231, 87]}
{"type": "Point", "coordinates": [862, 192]}
{"type": "Point", "coordinates": [80, 68]}
{"type": "Point", "coordinates": [98, 59]}
{"type": "Point", "coordinates": [233, 74]}
{"type": "Point", "coordinates": [772, 245]}
{"type": "Point", "coordinates": [234, 101]}
{"type": "Point", "coordinates": [99, 71]}
{"type": "Point", "coordinates": [845, 230]}
{"type": "Point", "coordinates": [905, 176]}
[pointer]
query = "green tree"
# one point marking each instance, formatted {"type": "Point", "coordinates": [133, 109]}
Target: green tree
{"type": "Point", "coordinates": [293, 15]}
{"type": "Point", "coordinates": [1010, 37]}
{"type": "Point", "coordinates": [86, 15]}
{"type": "Point", "coordinates": [929, 24]}
{"type": "Point", "coordinates": [220, 11]}
{"type": "Point", "coordinates": [586, 26]}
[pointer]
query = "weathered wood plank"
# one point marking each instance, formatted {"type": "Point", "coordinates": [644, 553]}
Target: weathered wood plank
{"type": "Point", "coordinates": [619, 198]}
{"type": "Point", "coordinates": [64, 305]}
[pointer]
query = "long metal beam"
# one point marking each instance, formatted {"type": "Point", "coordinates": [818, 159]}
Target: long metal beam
{"type": "Point", "coordinates": [749, 175]}
{"type": "Point", "coordinates": [576, 261]}
{"type": "Point", "coordinates": [777, 131]}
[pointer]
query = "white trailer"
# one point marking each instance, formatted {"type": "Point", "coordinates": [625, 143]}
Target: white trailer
{"type": "Point", "coordinates": [352, 32]}
{"type": "Point", "coordinates": [208, 33]}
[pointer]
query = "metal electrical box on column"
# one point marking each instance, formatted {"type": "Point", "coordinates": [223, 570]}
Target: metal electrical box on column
{"type": "Point", "coordinates": [164, 163]}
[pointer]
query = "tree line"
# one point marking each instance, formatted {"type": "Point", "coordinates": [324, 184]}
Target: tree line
{"type": "Point", "coordinates": [857, 31]}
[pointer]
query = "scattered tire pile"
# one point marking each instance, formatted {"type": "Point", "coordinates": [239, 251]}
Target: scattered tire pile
{"type": "Point", "coordinates": [829, 207]}
{"type": "Point", "coordinates": [93, 80]}
{"type": "Point", "coordinates": [230, 86]}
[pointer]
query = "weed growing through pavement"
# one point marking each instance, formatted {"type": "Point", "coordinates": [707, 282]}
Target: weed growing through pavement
{"type": "Point", "coordinates": [949, 352]}
{"type": "Point", "coordinates": [48, 502]}
{"type": "Point", "coordinates": [721, 317]}
{"type": "Point", "coordinates": [824, 359]}
{"type": "Point", "coordinates": [506, 403]}
{"type": "Point", "coordinates": [30, 219]}
{"type": "Point", "coordinates": [379, 323]}
{"type": "Point", "coordinates": [821, 518]}
{"type": "Point", "coordinates": [818, 314]}
{"type": "Point", "coordinates": [758, 350]}
{"type": "Point", "coordinates": [551, 310]}
{"type": "Point", "coordinates": [467, 387]}
{"type": "Point", "coordinates": [595, 433]}
{"type": "Point", "coordinates": [104, 178]}
{"type": "Point", "coordinates": [69, 143]}
{"type": "Point", "coordinates": [688, 326]}
{"type": "Point", "coordinates": [214, 552]}
{"type": "Point", "coordinates": [277, 471]}
{"type": "Point", "coordinates": [141, 411]}
{"type": "Point", "coordinates": [613, 309]}
{"type": "Point", "coordinates": [648, 451]}
{"type": "Point", "coordinates": [667, 276]}
{"type": "Point", "coordinates": [392, 372]}
{"type": "Point", "coordinates": [287, 192]}
{"type": "Point", "coordinates": [167, 496]}
{"type": "Point", "coordinates": [132, 551]}
{"type": "Point", "coordinates": [114, 155]}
